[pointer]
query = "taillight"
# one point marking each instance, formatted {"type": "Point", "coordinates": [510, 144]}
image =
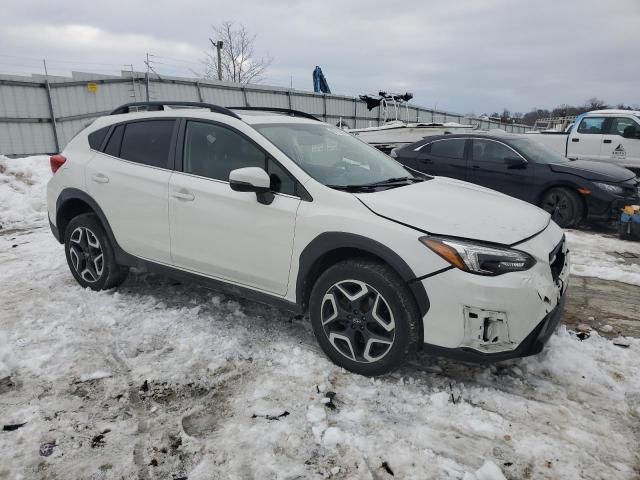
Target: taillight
{"type": "Point", "coordinates": [56, 162]}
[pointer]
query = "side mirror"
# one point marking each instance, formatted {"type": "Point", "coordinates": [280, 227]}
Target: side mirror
{"type": "Point", "coordinates": [252, 179]}
{"type": "Point", "coordinates": [516, 163]}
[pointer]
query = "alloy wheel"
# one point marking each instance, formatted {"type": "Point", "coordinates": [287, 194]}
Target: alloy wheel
{"type": "Point", "coordinates": [357, 320]}
{"type": "Point", "coordinates": [86, 254]}
{"type": "Point", "coordinates": [560, 206]}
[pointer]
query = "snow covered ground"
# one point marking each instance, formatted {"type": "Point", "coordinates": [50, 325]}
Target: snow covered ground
{"type": "Point", "coordinates": [161, 380]}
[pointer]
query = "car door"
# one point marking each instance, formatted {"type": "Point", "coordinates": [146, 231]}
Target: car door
{"type": "Point", "coordinates": [129, 180]}
{"type": "Point", "coordinates": [223, 233]}
{"type": "Point", "coordinates": [492, 165]}
{"type": "Point", "coordinates": [586, 141]}
{"type": "Point", "coordinates": [444, 157]}
{"type": "Point", "coordinates": [618, 148]}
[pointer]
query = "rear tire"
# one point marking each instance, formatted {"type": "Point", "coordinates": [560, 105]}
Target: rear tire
{"type": "Point", "coordinates": [364, 317]}
{"type": "Point", "coordinates": [564, 205]}
{"type": "Point", "coordinates": [90, 255]}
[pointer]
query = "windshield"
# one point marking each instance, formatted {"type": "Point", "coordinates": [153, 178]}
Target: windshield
{"type": "Point", "coordinates": [332, 156]}
{"type": "Point", "coordinates": [536, 152]}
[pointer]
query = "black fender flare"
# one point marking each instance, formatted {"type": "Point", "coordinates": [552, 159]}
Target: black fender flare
{"type": "Point", "coordinates": [329, 241]}
{"type": "Point", "coordinates": [69, 194]}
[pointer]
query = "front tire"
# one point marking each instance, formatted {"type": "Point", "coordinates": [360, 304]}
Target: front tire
{"type": "Point", "coordinates": [364, 317]}
{"type": "Point", "coordinates": [564, 205]}
{"type": "Point", "coordinates": [90, 255]}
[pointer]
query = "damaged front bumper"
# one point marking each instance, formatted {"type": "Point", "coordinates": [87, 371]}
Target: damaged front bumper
{"type": "Point", "coordinates": [531, 345]}
{"type": "Point", "coordinates": [490, 319]}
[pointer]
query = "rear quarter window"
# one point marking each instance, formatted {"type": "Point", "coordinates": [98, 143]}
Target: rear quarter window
{"type": "Point", "coordinates": [96, 138]}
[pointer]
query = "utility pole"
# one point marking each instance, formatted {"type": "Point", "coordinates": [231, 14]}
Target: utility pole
{"type": "Point", "coordinates": [147, 76]}
{"type": "Point", "coordinates": [54, 125]}
{"type": "Point", "coordinates": [218, 46]}
{"type": "Point", "coordinates": [133, 83]}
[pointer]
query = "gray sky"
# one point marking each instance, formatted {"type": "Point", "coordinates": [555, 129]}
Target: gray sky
{"type": "Point", "coordinates": [464, 55]}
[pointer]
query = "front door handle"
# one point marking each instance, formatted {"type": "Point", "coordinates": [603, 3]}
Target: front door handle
{"type": "Point", "coordinates": [100, 178]}
{"type": "Point", "coordinates": [575, 139]}
{"type": "Point", "coordinates": [426, 160]}
{"type": "Point", "coordinates": [475, 167]}
{"type": "Point", "coordinates": [185, 196]}
{"type": "Point", "coordinates": [606, 141]}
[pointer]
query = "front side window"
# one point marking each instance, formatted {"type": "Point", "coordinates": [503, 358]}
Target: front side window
{"type": "Point", "coordinates": [147, 142]}
{"type": "Point", "coordinates": [332, 156]}
{"type": "Point", "coordinates": [213, 151]}
{"type": "Point", "coordinates": [491, 151]}
{"type": "Point", "coordinates": [619, 124]}
{"type": "Point", "coordinates": [453, 148]}
{"type": "Point", "coordinates": [591, 125]}
{"type": "Point", "coordinates": [536, 152]}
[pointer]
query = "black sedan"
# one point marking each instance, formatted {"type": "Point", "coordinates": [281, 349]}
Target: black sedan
{"type": "Point", "coordinates": [571, 190]}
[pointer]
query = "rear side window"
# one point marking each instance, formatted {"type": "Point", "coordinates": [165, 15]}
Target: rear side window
{"type": "Point", "coordinates": [96, 138]}
{"type": "Point", "coordinates": [147, 142]}
{"type": "Point", "coordinates": [453, 148]}
{"type": "Point", "coordinates": [591, 125]}
{"type": "Point", "coordinates": [113, 145]}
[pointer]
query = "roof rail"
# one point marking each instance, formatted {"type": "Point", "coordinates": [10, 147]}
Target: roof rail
{"type": "Point", "coordinates": [287, 111]}
{"type": "Point", "coordinates": [159, 106]}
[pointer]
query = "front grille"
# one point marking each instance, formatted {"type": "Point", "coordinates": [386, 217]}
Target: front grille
{"type": "Point", "coordinates": [556, 259]}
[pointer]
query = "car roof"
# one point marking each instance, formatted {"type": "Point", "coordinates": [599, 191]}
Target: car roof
{"type": "Point", "coordinates": [611, 111]}
{"type": "Point", "coordinates": [249, 115]}
{"type": "Point", "coordinates": [490, 135]}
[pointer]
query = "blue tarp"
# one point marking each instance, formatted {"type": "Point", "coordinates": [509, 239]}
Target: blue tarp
{"type": "Point", "coordinates": [319, 82]}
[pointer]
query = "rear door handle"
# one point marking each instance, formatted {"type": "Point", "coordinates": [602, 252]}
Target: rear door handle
{"type": "Point", "coordinates": [606, 141]}
{"type": "Point", "coordinates": [186, 196]}
{"type": "Point", "coordinates": [100, 178]}
{"type": "Point", "coordinates": [575, 139]}
{"type": "Point", "coordinates": [426, 160]}
{"type": "Point", "coordinates": [475, 167]}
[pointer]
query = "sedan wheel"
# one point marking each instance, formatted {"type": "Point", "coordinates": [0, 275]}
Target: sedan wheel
{"type": "Point", "coordinates": [564, 205]}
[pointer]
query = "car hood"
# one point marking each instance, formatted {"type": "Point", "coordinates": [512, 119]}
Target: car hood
{"type": "Point", "coordinates": [598, 171]}
{"type": "Point", "coordinates": [454, 208]}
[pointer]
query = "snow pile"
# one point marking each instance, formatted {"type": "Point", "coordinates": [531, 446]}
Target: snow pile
{"type": "Point", "coordinates": [23, 191]}
{"type": "Point", "coordinates": [164, 380]}
{"type": "Point", "coordinates": [594, 255]}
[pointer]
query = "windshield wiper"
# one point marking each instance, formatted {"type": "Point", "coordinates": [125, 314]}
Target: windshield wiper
{"type": "Point", "coordinates": [353, 188]}
{"type": "Point", "coordinates": [388, 182]}
{"type": "Point", "coordinates": [395, 181]}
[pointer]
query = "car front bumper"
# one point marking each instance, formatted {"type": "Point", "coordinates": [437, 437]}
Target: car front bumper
{"type": "Point", "coordinates": [484, 319]}
{"type": "Point", "coordinates": [531, 345]}
{"type": "Point", "coordinates": [603, 206]}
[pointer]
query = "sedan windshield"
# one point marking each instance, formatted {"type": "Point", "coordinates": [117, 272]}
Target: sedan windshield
{"type": "Point", "coordinates": [334, 157]}
{"type": "Point", "coordinates": [536, 152]}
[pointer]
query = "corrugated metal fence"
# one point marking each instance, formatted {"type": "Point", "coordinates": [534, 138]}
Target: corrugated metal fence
{"type": "Point", "coordinates": [41, 114]}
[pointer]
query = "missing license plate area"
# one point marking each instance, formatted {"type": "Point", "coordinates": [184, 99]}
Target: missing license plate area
{"type": "Point", "coordinates": [485, 329]}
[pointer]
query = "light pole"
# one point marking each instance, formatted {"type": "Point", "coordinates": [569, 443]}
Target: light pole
{"type": "Point", "coordinates": [218, 46]}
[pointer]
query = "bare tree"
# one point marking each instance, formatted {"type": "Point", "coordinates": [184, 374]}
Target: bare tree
{"type": "Point", "coordinates": [595, 104]}
{"type": "Point", "coordinates": [237, 56]}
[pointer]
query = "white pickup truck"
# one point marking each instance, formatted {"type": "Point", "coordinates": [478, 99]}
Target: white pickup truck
{"type": "Point", "coordinates": [610, 136]}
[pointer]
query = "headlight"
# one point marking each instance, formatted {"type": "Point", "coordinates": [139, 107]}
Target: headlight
{"type": "Point", "coordinates": [608, 187]}
{"type": "Point", "coordinates": [479, 258]}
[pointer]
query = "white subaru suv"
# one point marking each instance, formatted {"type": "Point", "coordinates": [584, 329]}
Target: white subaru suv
{"type": "Point", "coordinates": [279, 207]}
